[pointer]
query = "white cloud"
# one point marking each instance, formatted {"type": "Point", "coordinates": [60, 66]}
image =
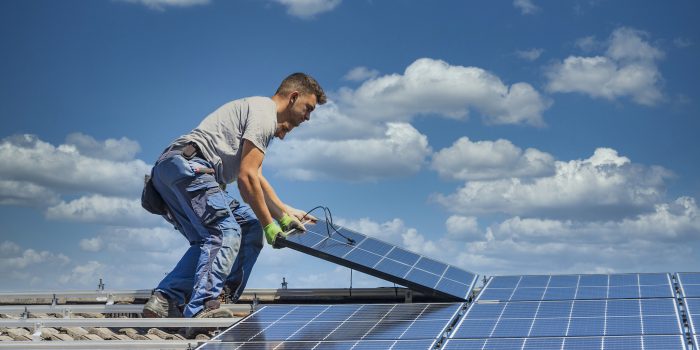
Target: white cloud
{"type": "Point", "coordinates": [160, 5]}
{"type": "Point", "coordinates": [100, 209]}
{"type": "Point", "coordinates": [682, 42]}
{"type": "Point", "coordinates": [485, 160]}
{"type": "Point", "coordinates": [463, 228]}
{"type": "Point", "coordinates": [604, 185]}
{"type": "Point", "coordinates": [529, 55]}
{"type": "Point", "coordinates": [64, 169]}
{"type": "Point", "coordinates": [526, 7]}
{"type": "Point", "coordinates": [361, 74]}
{"type": "Point", "coordinates": [119, 150]}
{"type": "Point", "coordinates": [307, 9]}
{"type": "Point", "coordinates": [328, 122]}
{"type": "Point", "coordinates": [401, 152]}
{"type": "Point", "coordinates": [431, 86]}
{"type": "Point", "coordinates": [628, 69]}
{"type": "Point", "coordinates": [84, 274]}
{"type": "Point", "coordinates": [8, 248]}
{"type": "Point", "coordinates": [94, 244]}
{"type": "Point", "coordinates": [588, 43]}
{"type": "Point", "coordinates": [26, 194]}
{"type": "Point", "coordinates": [28, 257]}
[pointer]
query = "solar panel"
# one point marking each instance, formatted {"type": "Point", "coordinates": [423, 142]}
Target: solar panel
{"type": "Point", "coordinates": [329, 345]}
{"type": "Point", "coordinates": [383, 260]}
{"type": "Point", "coordinates": [692, 308]}
{"type": "Point", "coordinates": [571, 318]}
{"type": "Point", "coordinates": [578, 287]}
{"type": "Point", "coordinates": [649, 342]}
{"type": "Point", "coordinates": [689, 283]}
{"type": "Point", "coordinates": [330, 325]}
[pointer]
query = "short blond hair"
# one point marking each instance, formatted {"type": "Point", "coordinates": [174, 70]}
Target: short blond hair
{"type": "Point", "coordinates": [303, 83]}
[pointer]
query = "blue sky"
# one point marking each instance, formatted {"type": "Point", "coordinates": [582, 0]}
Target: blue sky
{"type": "Point", "coordinates": [505, 137]}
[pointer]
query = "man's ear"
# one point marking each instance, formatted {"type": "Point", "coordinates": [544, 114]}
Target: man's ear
{"type": "Point", "coordinates": [293, 97]}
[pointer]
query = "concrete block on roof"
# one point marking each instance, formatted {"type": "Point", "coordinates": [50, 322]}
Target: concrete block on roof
{"type": "Point", "coordinates": [201, 336]}
{"type": "Point", "coordinates": [153, 337]}
{"type": "Point", "coordinates": [5, 338]}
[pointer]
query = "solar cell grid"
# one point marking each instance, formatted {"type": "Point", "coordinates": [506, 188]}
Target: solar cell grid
{"type": "Point", "coordinates": [578, 287]}
{"type": "Point", "coordinates": [383, 260]}
{"type": "Point", "coordinates": [690, 284]}
{"type": "Point", "coordinates": [340, 323]}
{"type": "Point", "coordinates": [326, 345]}
{"type": "Point", "coordinates": [654, 342]}
{"type": "Point", "coordinates": [579, 318]}
{"type": "Point", "coordinates": [692, 308]}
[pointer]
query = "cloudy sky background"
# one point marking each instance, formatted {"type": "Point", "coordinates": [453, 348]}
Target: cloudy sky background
{"type": "Point", "coordinates": [509, 137]}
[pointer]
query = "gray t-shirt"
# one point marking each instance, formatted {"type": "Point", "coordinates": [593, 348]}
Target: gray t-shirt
{"type": "Point", "coordinates": [220, 135]}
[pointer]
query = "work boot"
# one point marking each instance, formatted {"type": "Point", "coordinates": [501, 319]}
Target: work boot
{"type": "Point", "coordinates": [160, 306]}
{"type": "Point", "coordinates": [212, 309]}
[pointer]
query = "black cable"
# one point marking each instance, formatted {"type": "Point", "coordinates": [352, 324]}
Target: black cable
{"type": "Point", "coordinates": [329, 223]}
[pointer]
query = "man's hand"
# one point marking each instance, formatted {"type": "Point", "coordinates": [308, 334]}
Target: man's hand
{"type": "Point", "coordinates": [289, 223]}
{"type": "Point", "coordinates": [300, 215]}
{"type": "Point", "coordinates": [271, 232]}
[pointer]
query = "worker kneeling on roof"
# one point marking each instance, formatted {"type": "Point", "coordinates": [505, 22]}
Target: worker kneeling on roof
{"type": "Point", "coordinates": [187, 184]}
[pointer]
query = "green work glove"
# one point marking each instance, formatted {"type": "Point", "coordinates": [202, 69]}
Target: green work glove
{"type": "Point", "coordinates": [271, 232]}
{"type": "Point", "coordinates": [287, 223]}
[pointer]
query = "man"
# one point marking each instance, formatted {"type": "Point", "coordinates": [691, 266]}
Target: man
{"type": "Point", "coordinates": [228, 145]}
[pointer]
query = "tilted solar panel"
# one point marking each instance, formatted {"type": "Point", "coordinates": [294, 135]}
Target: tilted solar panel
{"type": "Point", "coordinates": [330, 325]}
{"type": "Point", "coordinates": [571, 318]}
{"type": "Point", "coordinates": [578, 287]}
{"type": "Point", "coordinates": [383, 260]}
{"type": "Point", "coordinates": [648, 342]}
{"type": "Point", "coordinates": [689, 283]}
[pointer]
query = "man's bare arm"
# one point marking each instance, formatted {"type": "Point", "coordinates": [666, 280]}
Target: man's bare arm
{"type": "Point", "coordinates": [274, 203]}
{"type": "Point", "coordinates": [250, 184]}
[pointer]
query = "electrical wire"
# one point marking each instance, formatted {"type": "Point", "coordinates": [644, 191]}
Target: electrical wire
{"type": "Point", "coordinates": [329, 223]}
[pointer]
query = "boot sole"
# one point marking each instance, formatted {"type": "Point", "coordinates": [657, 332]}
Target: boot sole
{"type": "Point", "coordinates": [147, 313]}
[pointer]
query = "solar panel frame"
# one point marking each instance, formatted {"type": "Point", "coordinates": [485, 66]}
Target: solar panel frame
{"type": "Point", "coordinates": [689, 283]}
{"type": "Point", "coordinates": [636, 342]}
{"type": "Point", "coordinates": [522, 319]}
{"type": "Point", "coordinates": [300, 325]}
{"type": "Point", "coordinates": [577, 287]}
{"type": "Point", "coordinates": [396, 265]}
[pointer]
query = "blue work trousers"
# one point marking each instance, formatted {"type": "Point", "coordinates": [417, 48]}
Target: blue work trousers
{"type": "Point", "coordinates": [225, 237]}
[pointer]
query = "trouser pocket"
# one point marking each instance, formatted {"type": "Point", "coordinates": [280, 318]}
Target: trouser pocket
{"type": "Point", "coordinates": [209, 202]}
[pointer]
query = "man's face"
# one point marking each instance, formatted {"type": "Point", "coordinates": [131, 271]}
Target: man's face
{"type": "Point", "coordinates": [299, 111]}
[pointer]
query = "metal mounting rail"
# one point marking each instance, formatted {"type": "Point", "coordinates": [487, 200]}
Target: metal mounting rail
{"type": "Point", "coordinates": [107, 344]}
{"type": "Point", "coordinates": [118, 322]}
{"type": "Point", "coordinates": [94, 308]}
{"type": "Point", "coordinates": [76, 308]}
{"type": "Point", "coordinates": [262, 294]}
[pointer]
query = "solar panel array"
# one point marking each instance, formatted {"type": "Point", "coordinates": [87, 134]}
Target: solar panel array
{"type": "Point", "coordinates": [692, 307]}
{"type": "Point", "coordinates": [616, 311]}
{"type": "Point", "coordinates": [365, 326]}
{"type": "Point", "coordinates": [383, 260]}
{"type": "Point", "coordinates": [689, 283]}
{"type": "Point", "coordinates": [578, 287]}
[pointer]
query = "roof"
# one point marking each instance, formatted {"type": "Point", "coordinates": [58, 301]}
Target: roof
{"type": "Point", "coordinates": [112, 319]}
